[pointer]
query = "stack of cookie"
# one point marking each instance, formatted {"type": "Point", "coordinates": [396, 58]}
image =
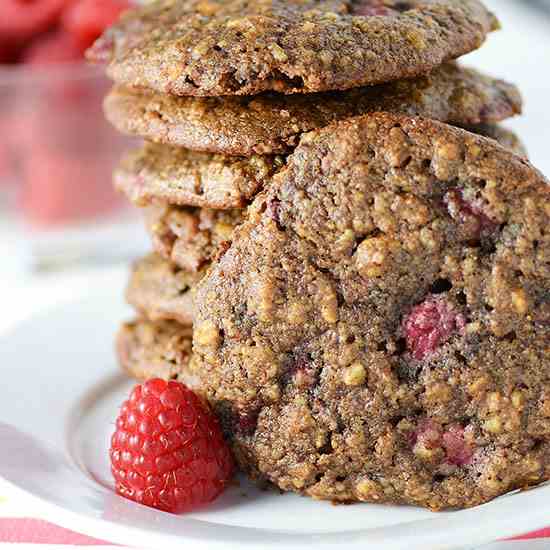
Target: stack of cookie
{"type": "Point", "coordinates": [335, 209]}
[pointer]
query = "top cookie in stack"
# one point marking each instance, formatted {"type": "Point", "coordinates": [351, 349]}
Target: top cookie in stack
{"type": "Point", "coordinates": [223, 92]}
{"type": "Point", "coordinates": [237, 47]}
{"type": "Point", "coordinates": [267, 72]}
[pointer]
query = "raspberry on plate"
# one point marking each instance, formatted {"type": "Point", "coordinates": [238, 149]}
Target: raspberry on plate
{"type": "Point", "coordinates": [168, 451]}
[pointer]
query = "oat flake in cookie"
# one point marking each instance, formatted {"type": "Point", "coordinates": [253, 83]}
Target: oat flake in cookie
{"type": "Point", "coordinates": [379, 329]}
{"type": "Point", "coordinates": [272, 123]}
{"type": "Point", "coordinates": [237, 47]}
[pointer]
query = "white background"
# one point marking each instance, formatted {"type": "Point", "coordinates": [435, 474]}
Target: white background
{"type": "Point", "coordinates": [520, 53]}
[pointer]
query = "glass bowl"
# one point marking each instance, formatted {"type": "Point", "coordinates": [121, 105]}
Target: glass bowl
{"type": "Point", "coordinates": [57, 154]}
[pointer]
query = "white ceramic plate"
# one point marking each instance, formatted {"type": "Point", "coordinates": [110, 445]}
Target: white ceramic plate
{"type": "Point", "coordinates": [60, 392]}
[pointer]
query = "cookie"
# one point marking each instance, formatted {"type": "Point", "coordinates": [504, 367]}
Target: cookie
{"type": "Point", "coordinates": [191, 237]}
{"type": "Point", "coordinates": [272, 123]}
{"type": "Point", "coordinates": [159, 290]}
{"type": "Point", "coordinates": [179, 176]}
{"type": "Point", "coordinates": [161, 349]}
{"type": "Point", "coordinates": [237, 47]}
{"type": "Point", "coordinates": [379, 328]}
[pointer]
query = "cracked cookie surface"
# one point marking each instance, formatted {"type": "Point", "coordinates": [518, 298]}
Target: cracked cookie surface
{"type": "Point", "coordinates": [192, 237]}
{"type": "Point", "coordinates": [238, 47]}
{"type": "Point", "coordinates": [272, 123]}
{"type": "Point", "coordinates": [379, 328]}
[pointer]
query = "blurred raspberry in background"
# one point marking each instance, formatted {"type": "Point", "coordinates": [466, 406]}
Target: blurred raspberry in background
{"type": "Point", "coordinates": [56, 150]}
{"type": "Point", "coordinates": [38, 30]}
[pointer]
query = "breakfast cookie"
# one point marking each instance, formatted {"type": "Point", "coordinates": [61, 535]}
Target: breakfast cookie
{"type": "Point", "coordinates": [379, 328]}
{"type": "Point", "coordinates": [272, 123]}
{"type": "Point", "coordinates": [191, 237]}
{"type": "Point", "coordinates": [238, 47]}
{"type": "Point", "coordinates": [160, 349]}
{"type": "Point", "coordinates": [179, 176]}
{"type": "Point", "coordinates": [159, 290]}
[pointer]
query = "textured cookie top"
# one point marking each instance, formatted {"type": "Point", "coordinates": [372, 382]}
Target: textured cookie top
{"type": "Point", "coordinates": [179, 176]}
{"type": "Point", "coordinates": [273, 123]}
{"type": "Point", "coordinates": [393, 280]}
{"type": "Point", "coordinates": [237, 47]}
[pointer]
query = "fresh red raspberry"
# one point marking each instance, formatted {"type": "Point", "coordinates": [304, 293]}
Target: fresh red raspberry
{"type": "Point", "coordinates": [87, 19]}
{"type": "Point", "coordinates": [168, 451]}
{"type": "Point", "coordinates": [21, 20]}
{"type": "Point", "coordinates": [429, 325]}
{"type": "Point", "coordinates": [475, 223]}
